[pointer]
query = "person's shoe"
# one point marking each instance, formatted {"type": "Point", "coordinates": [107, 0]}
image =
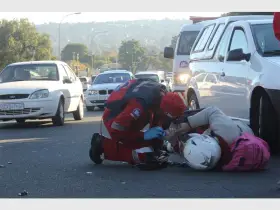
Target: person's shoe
{"type": "Point", "coordinates": [154, 161]}
{"type": "Point", "coordinates": [96, 149]}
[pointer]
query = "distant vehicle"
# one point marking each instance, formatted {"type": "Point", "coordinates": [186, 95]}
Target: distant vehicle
{"type": "Point", "coordinates": [169, 76]}
{"type": "Point", "coordinates": [158, 76]}
{"type": "Point", "coordinates": [181, 55]}
{"type": "Point", "coordinates": [40, 90]}
{"type": "Point", "coordinates": [86, 82]}
{"type": "Point", "coordinates": [93, 78]}
{"type": "Point", "coordinates": [103, 86]}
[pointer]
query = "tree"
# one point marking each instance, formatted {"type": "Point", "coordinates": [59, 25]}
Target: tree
{"type": "Point", "coordinates": [246, 13]}
{"type": "Point", "coordinates": [20, 41]}
{"type": "Point", "coordinates": [74, 49]}
{"type": "Point", "coordinates": [131, 54]}
{"type": "Point", "coordinates": [174, 41]}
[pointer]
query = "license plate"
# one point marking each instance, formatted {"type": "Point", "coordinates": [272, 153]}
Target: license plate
{"type": "Point", "coordinates": [7, 107]}
{"type": "Point", "coordinates": [103, 97]}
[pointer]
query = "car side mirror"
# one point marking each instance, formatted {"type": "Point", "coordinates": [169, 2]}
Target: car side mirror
{"type": "Point", "coordinates": [162, 81]}
{"type": "Point", "coordinates": [66, 80]}
{"type": "Point", "coordinates": [238, 55]}
{"type": "Point", "coordinates": [168, 52]}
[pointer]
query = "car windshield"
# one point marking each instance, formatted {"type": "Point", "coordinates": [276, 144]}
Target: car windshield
{"type": "Point", "coordinates": [186, 41]}
{"type": "Point", "coordinates": [111, 78]}
{"type": "Point", "coordinates": [29, 72]}
{"type": "Point", "coordinates": [265, 40]}
{"type": "Point", "coordinates": [148, 76]}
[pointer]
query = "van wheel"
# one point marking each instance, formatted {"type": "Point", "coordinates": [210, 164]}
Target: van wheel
{"type": "Point", "coordinates": [266, 122]}
{"type": "Point", "coordinates": [79, 113]}
{"type": "Point", "coordinates": [193, 102]}
{"type": "Point", "coordinates": [58, 119]}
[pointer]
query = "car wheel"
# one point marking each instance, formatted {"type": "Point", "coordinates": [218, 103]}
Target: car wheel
{"type": "Point", "coordinates": [193, 102]}
{"type": "Point", "coordinates": [20, 121]}
{"type": "Point", "coordinates": [100, 107]}
{"type": "Point", "coordinates": [268, 123]}
{"type": "Point", "coordinates": [58, 119]}
{"type": "Point", "coordinates": [90, 108]}
{"type": "Point", "coordinates": [79, 113]}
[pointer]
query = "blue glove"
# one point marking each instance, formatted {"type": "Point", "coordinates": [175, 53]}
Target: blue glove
{"type": "Point", "coordinates": [154, 133]}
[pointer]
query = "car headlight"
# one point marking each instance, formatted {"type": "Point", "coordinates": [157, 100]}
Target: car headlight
{"type": "Point", "coordinates": [183, 78]}
{"type": "Point", "coordinates": [92, 92]}
{"type": "Point", "coordinates": [39, 94]}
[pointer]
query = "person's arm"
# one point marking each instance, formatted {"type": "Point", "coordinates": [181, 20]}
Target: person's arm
{"type": "Point", "coordinates": [123, 123]}
{"type": "Point", "coordinates": [276, 25]}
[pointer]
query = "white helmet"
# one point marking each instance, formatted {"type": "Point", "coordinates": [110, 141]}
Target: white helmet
{"type": "Point", "coordinates": [202, 152]}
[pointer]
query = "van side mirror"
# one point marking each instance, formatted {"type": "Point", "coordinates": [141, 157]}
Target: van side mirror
{"type": "Point", "coordinates": [66, 80]}
{"type": "Point", "coordinates": [168, 52]}
{"type": "Point", "coordinates": [238, 55]}
{"type": "Point", "coordinates": [161, 80]}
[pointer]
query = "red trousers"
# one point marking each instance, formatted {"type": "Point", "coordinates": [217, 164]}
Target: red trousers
{"type": "Point", "coordinates": [128, 150]}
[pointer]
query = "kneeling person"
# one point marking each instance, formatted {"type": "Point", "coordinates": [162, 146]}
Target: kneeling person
{"type": "Point", "coordinates": [129, 109]}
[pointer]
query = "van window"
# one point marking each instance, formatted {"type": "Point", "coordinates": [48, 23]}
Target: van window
{"type": "Point", "coordinates": [222, 47]}
{"type": "Point", "coordinates": [239, 41]}
{"type": "Point", "coordinates": [204, 38]}
{"type": "Point", "coordinates": [216, 36]}
{"type": "Point", "coordinates": [186, 41]}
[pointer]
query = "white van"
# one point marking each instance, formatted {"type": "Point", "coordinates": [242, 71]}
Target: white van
{"type": "Point", "coordinates": [181, 55]}
{"type": "Point", "coordinates": [235, 65]}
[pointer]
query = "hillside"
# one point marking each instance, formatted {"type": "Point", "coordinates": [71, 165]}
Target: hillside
{"type": "Point", "coordinates": [153, 33]}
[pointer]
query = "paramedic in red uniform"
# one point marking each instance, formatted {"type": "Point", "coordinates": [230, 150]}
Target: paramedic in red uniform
{"type": "Point", "coordinates": [276, 25]}
{"type": "Point", "coordinates": [129, 109]}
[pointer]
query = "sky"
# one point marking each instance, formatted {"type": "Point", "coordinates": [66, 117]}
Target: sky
{"type": "Point", "coordinates": [45, 17]}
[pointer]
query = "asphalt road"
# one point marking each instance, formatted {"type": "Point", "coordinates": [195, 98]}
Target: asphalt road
{"type": "Point", "coordinates": [53, 162]}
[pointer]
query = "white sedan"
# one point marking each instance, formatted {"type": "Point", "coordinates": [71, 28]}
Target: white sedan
{"type": "Point", "coordinates": [40, 90]}
{"type": "Point", "coordinates": [103, 85]}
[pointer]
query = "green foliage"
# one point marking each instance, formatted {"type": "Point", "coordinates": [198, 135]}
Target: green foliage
{"type": "Point", "coordinates": [174, 41]}
{"type": "Point", "coordinates": [76, 48]}
{"type": "Point", "coordinates": [20, 41]}
{"type": "Point", "coordinates": [131, 54]}
{"type": "Point", "coordinates": [147, 32]}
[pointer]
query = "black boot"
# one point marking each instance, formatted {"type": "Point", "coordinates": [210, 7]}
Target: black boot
{"type": "Point", "coordinates": [96, 149]}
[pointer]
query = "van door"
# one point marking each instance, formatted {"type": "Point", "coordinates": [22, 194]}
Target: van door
{"type": "Point", "coordinates": [235, 77]}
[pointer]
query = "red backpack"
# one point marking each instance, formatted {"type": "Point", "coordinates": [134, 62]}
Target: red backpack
{"type": "Point", "coordinates": [249, 153]}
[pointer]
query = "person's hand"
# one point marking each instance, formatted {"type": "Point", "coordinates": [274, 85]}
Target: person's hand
{"type": "Point", "coordinates": [154, 133]}
{"type": "Point", "coordinates": [171, 138]}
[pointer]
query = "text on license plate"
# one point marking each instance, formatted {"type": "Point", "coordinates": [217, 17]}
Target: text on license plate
{"type": "Point", "coordinates": [7, 107]}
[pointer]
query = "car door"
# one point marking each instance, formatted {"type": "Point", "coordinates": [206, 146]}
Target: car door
{"type": "Point", "coordinates": [75, 89]}
{"type": "Point", "coordinates": [221, 98]}
{"type": "Point", "coordinates": [65, 86]}
{"type": "Point", "coordinates": [236, 75]}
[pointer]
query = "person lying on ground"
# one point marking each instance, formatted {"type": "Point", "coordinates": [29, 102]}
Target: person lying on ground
{"type": "Point", "coordinates": [215, 139]}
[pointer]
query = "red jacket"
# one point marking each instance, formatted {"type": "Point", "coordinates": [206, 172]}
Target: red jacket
{"type": "Point", "coordinates": [276, 25]}
{"type": "Point", "coordinates": [127, 124]}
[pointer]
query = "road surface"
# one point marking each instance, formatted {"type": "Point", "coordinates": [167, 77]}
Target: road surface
{"type": "Point", "coordinates": [53, 162]}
